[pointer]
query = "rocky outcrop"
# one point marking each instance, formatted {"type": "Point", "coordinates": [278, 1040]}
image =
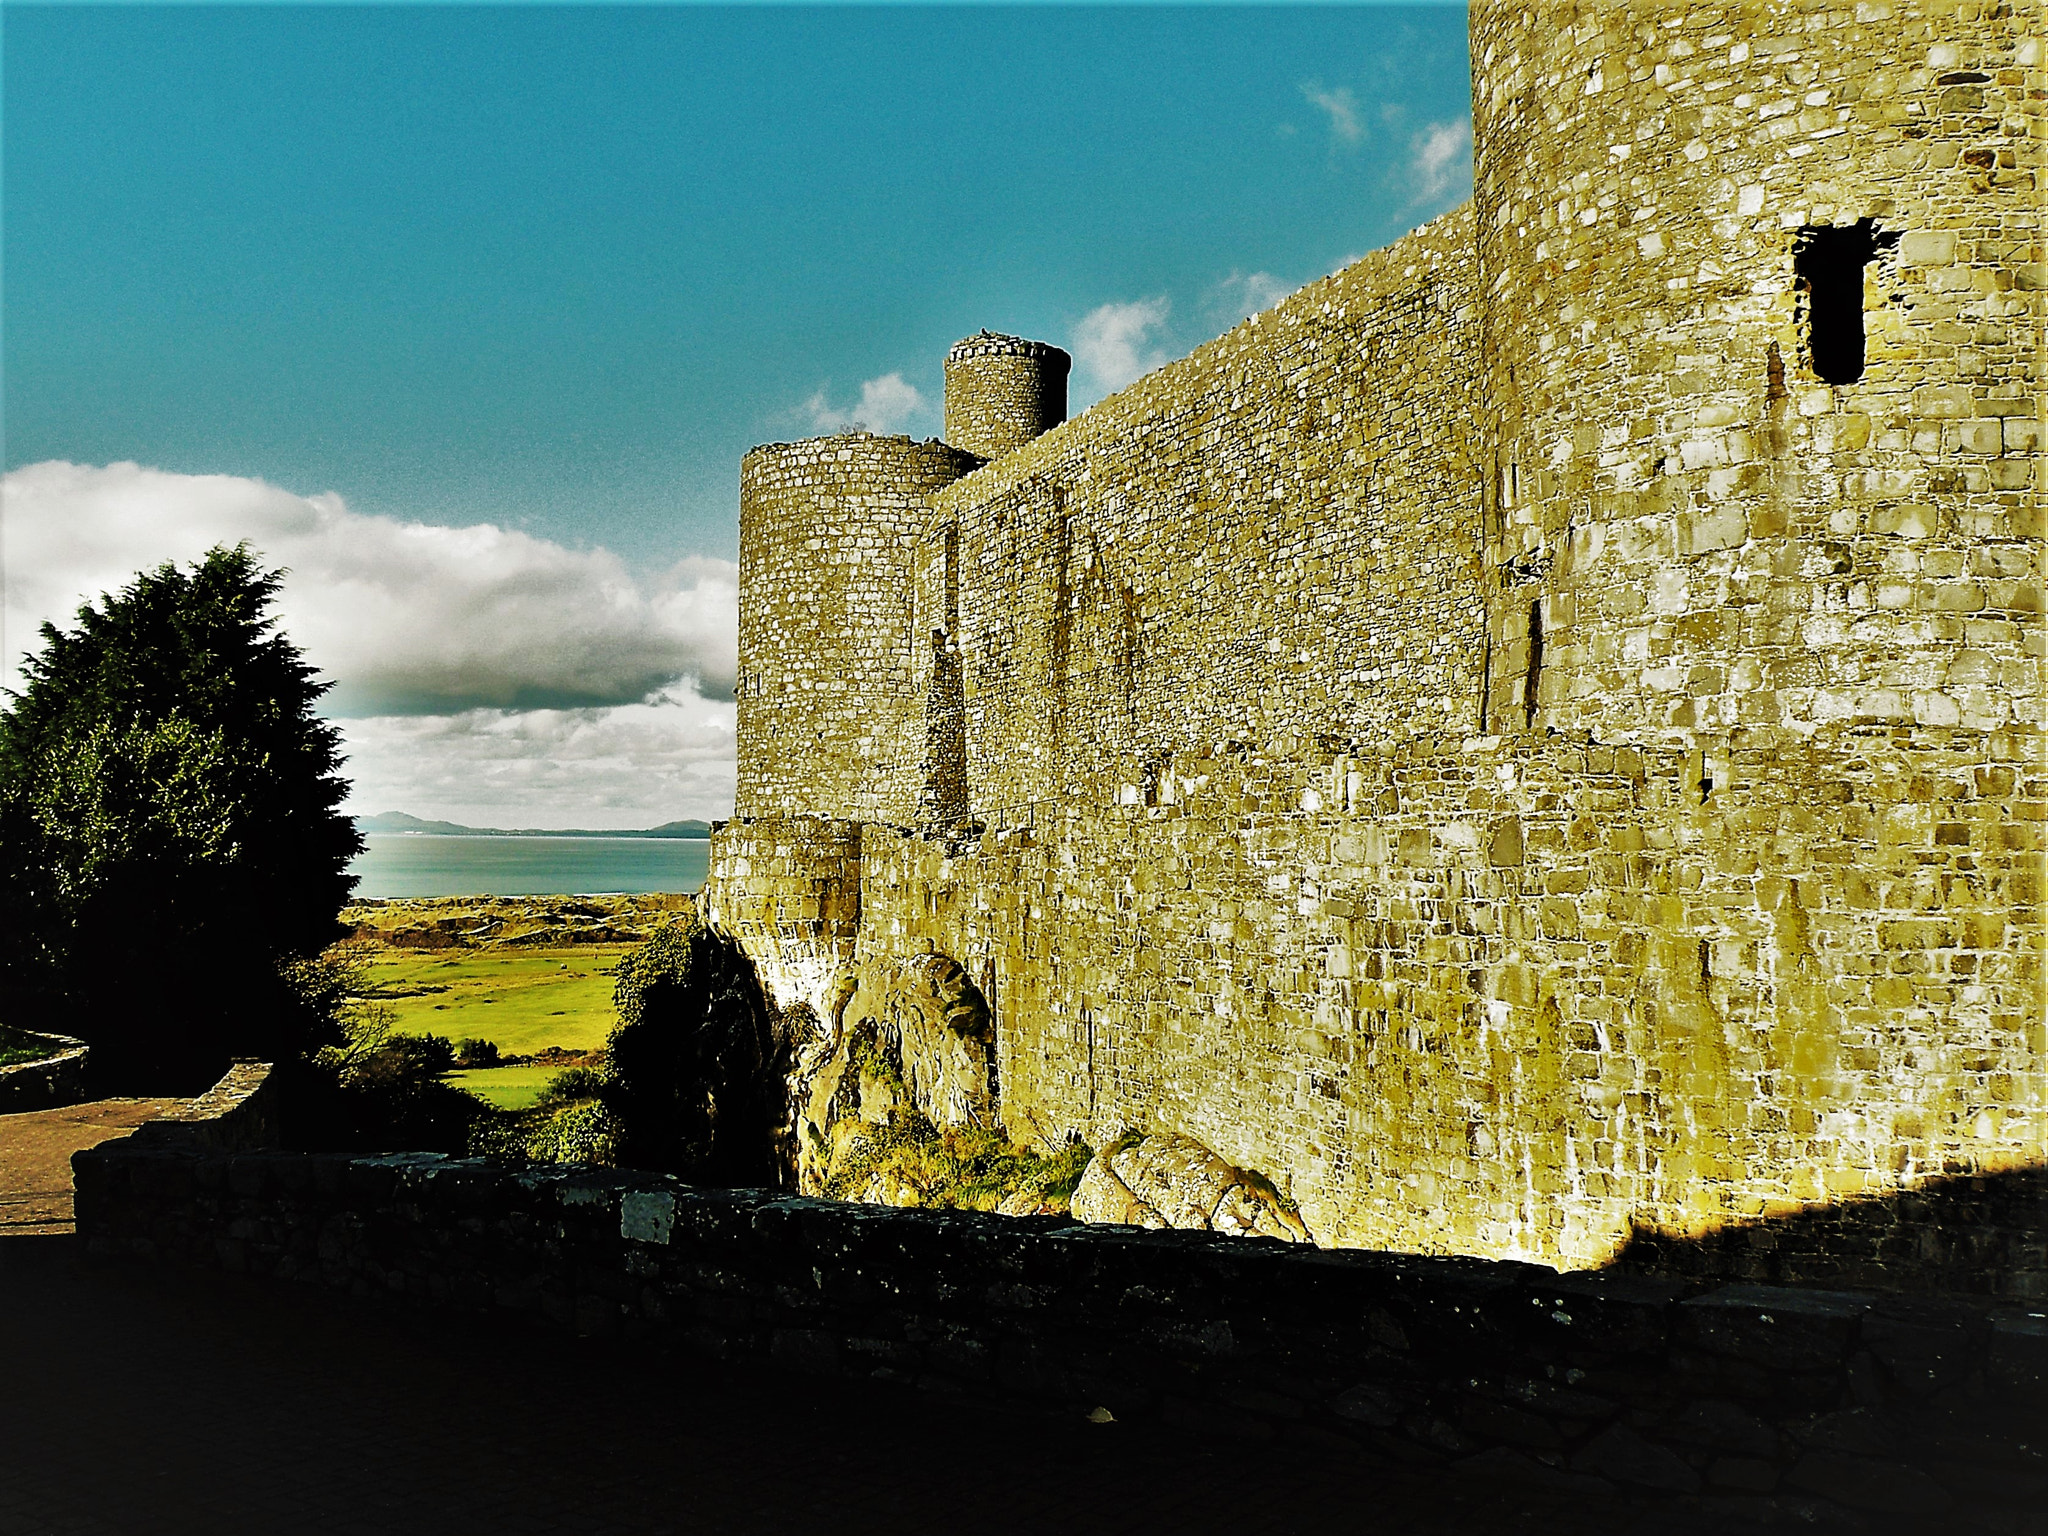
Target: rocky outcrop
{"type": "Point", "coordinates": [909, 1035]}
{"type": "Point", "coordinates": [1170, 1180]}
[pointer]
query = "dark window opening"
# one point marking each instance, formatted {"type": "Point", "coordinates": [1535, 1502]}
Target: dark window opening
{"type": "Point", "coordinates": [1530, 684]}
{"type": "Point", "coordinates": [1827, 266]}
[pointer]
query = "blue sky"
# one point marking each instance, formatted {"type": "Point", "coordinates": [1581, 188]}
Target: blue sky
{"type": "Point", "coordinates": [551, 271]}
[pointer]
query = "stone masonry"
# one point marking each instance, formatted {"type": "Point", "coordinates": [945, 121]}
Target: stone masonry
{"type": "Point", "coordinates": [1534, 742]}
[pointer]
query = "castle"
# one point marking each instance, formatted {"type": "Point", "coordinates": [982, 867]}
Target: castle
{"type": "Point", "coordinates": [1536, 736]}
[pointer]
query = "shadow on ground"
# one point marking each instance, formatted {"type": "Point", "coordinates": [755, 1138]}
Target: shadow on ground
{"type": "Point", "coordinates": [142, 1399]}
{"type": "Point", "coordinates": [1974, 1234]}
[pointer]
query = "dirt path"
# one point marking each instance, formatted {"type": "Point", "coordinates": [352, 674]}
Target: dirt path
{"type": "Point", "coordinates": [35, 1158]}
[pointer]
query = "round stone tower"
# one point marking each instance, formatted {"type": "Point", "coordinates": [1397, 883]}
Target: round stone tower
{"type": "Point", "coordinates": [1759, 367]}
{"type": "Point", "coordinates": [1002, 391]}
{"type": "Point", "coordinates": [830, 723]}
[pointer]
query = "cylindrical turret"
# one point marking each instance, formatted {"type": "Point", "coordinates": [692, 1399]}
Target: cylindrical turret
{"type": "Point", "coordinates": [1759, 362]}
{"type": "Point", "coordinates": [1002, 391]}
{"type": "Point", "coordinates": [831, 721]}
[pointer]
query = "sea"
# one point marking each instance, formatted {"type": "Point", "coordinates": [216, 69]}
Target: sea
{"type": "Point", "coordinates": [446, 864]}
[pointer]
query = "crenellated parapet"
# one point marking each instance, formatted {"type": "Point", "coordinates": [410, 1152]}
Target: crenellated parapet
{"type": "Point", "coordinates": [1002, 391]}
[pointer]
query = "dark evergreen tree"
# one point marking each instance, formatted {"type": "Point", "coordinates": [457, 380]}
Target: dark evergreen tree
{"type": "Point", "coordinates": [171, 842]}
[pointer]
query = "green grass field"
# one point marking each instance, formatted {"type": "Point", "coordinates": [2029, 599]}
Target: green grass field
{"type": "Point", "coordinates": [521, 1000]}
{"type": "Point", "coordinates": [504, 1087]}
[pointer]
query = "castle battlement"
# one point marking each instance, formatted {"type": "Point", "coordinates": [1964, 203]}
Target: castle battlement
{"type": "Point", "coordinates": [1538, 734]}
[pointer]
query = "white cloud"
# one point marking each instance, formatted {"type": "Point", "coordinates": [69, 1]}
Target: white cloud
{"type": "Point", "coordinates": [1440, 159]}
{"type": "Point", "coordinates": [1117, 344]}
{"type": "Point", "coordinates": [667, 757]}
{"type": "Point", "coordinates": [888, 404]}
{"type": "Point", "coordinates": [474, 668]}
{"type": "Point", "coordinates": [1248, 293]}
{"type": "Point", "coordinates": [1339, 106]}
{"type": "Point", "coordinates": [407, 618]}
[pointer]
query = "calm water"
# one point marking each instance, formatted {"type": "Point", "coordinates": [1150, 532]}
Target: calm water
{"type": "Point", "coordinates": [412, 864]}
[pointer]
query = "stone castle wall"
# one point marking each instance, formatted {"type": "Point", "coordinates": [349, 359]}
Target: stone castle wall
{"type": "Point", "coordinates": [1513, 998]}
{"type": "Point", "coordinates": [1002, 391]}
{"type": "Point", "coordinates": [1718, 538]}
{"type": "Point", "coordinates": [1500, 742]}
{"type": "Point", "coordinates": [1278, 533]}
{"type": "Point", "coordinates": [788, 888]}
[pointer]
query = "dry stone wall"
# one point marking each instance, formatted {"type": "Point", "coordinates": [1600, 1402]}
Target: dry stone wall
{"type": "Point", "coordinates": [52, 1080]}
{"type": "Point", "coordinates": [1733, 1405]}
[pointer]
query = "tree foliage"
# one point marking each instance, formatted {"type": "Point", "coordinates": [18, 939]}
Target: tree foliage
{"type": "Point", "coordinates": [698, 1064]}
{"type": "Point", "coordinates": [171, 843]}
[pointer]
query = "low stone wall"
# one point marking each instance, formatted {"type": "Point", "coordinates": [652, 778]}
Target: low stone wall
{"type": "Point", "coordinates": [55, 1080]}
{"type": "Point", "coordinates": [1800, 1406]}
{"type": "Point", "coordinates": [237, 1114]}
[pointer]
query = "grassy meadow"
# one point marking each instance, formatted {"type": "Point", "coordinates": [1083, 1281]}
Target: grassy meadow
{"type": "Point", "coordinates": [521, 1000]}
{"type": "Point", "coordinates": [507, 969]}
{"type": "Point", "coordinates": [504, 1087]}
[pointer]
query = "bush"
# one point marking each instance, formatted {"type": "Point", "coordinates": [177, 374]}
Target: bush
{"type": "Point", "coordinates": [377, 1091]}
{"type": "Point", "coordinates": [576, 1133]}
{"type": "Point", "coordinates": [697, 1083]}
{"type": "Point", "coordinates": [909, 1161]}
{"type": "Point", "coordinates": [476, 1053]}
{"type": "Point", "coordinates": [572, 1086]}
{"type": "Point", "coordinates": [569, 1124]}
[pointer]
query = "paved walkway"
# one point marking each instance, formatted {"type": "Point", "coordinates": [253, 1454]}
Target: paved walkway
{"type": "Point", "coordinates": [137, 1399]}
{"type": "Point", "coordinates": [35, 1158]}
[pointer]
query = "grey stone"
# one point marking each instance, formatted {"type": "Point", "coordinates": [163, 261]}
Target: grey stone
{"type": "Point", "coordinates": [1621, 1454]}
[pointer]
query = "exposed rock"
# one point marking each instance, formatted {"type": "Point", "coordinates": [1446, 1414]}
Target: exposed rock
{"type": "Point", "coordinates": [910, 1034]}
{"type": "Point", "coordinates": [1170, 1180]}
{"type": "Point", "coordinates": [1030, 1202]}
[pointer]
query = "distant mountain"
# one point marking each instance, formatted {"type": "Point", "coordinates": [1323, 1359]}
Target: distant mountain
{"type": "Point", "coordinates": [398, 821]}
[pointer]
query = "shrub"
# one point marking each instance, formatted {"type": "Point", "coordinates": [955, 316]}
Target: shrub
{"type": "Point", "coordinates": [697, 1082]}
{"type": "Point", "coordinates": [909, 1161]}
{"type": "Point", "coordinates": [573, 1085]}
{"type": "Point", "coordinates": [566, 1126]}
{"type": "Point", "coordinates": [576, 1133]}
{"type": "Point", "coordinates": [476, 1053]}
{"type": "Point", "coordinates": [377, 1090]}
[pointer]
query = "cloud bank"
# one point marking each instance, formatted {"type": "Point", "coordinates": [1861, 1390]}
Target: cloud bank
{"type": "Point", "coordinates": [472, 666]}
{"type": "Point", "coordinates": [1440, 160]}
{"type": "Point", "coordinates": [664, 758]}
{"type": "Point", "coordinates": [888, 404]}
{"type": "Point", "coordinates": [1248, 293]}
{"type": "Point", "coordinates": [1339, 107]}
{"type": "Point", "coordinates": [1118, 344]}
